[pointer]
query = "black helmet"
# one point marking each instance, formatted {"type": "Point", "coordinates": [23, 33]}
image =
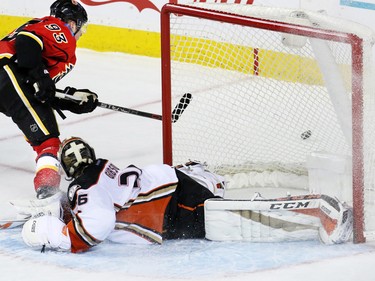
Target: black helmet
{"type": "Point", "coordinates": [74, 155]}
{"type": "Point", "coordinates": [69, 10]}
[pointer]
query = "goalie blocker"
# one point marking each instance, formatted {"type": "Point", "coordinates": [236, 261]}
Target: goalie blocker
{"type": "Point", "coordinates": [297, 218]}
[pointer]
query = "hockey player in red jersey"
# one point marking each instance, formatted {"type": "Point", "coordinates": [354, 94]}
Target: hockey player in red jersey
{"type": "Point", "coordinates": [32, 59]}
{"type": "Point", "coordinates": [129, 205]}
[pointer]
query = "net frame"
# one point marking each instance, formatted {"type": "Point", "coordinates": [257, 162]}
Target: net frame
{"type": "Point", "coordinates": [357, 90]}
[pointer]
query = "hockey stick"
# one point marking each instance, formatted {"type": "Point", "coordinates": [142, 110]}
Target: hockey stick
{"type": "Point", "coordinates": [177, 111]}
{"type": "Point", "coordinates": [7, 224]}
{"type": "Point", "coordinates": [129, 110]}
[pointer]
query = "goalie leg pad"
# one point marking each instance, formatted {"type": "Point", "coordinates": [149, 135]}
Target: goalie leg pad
{"type": "Point", "coordinates": [283, 219]}
{"type": "Point", "coordinates": [337, 221]}
{"type": "Point", "coordinates": [246, 220]}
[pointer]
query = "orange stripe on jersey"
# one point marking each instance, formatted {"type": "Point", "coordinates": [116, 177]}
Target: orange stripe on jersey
{"type": "Point", "coordinates": [147, 214]}
{"type": "Point", "coordinates": [144, 216]}
{"type": "Point", "coordinates": [78, 245]}
{"type": "Point", "coordinates": [81, 240]}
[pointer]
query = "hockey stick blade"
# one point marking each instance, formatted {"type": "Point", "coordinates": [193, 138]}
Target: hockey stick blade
{"type": "Point", "coordinates": [181, 106]}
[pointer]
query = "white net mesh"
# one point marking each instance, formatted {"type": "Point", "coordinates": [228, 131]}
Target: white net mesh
{"type": "Point", "coordinates": [265, 100]}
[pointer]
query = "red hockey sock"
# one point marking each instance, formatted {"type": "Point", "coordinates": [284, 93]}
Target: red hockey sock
{"type": "Point", "coordinates": [47, 165]}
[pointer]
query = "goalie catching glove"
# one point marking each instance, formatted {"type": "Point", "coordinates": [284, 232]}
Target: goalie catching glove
{"type": "Point", "coordinates": [86, 101]}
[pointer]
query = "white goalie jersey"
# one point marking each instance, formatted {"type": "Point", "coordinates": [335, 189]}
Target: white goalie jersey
{"type": "Point", "coordinates": [97, 198]}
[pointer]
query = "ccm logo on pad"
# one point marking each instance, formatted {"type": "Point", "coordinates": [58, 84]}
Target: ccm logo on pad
{"type": "Point", "coordinates": [290, 205]}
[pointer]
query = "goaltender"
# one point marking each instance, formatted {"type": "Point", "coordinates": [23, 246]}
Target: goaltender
{"type": "Point", "coordinates": [161, 202]}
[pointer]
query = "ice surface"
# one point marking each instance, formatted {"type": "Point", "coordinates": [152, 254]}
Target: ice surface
{"type": "Point", "coordinates": [134, 82]}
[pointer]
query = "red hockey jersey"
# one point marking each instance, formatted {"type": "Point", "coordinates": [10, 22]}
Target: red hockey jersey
{"type": "Point", "coordinates": [56, 40]}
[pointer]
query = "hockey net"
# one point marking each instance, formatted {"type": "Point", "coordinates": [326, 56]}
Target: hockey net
{"type": "Point", "coordinates": [280, 98]}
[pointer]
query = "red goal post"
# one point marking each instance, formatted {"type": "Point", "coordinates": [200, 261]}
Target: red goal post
{"type": "Point", "coordinates": [178, 37]}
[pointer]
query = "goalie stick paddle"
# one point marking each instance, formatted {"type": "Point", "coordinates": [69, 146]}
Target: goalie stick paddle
{"type": "Point", "coordinates": [177, 111]}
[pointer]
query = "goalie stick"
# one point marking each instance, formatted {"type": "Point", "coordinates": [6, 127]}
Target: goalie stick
{"type": "Point", "coordinates": [7, 224]}
{"type": "Point", "coordinates": [19, 221]}
{"type": "Point", "coordinates": [177, 111]}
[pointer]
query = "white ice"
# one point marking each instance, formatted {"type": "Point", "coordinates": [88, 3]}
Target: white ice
{"type": "Point", "coordinates": [134, 82]}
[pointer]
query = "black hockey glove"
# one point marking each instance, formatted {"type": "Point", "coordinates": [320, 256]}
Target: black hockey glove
{"type": "Point", "coordinates": [43, 84]}
{"type": "Point", "coordinates": [88, 100]}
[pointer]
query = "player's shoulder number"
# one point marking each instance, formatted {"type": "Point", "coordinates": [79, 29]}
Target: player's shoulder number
{"type": "Point", "coordinates": [74, 197]}
{"type": "Point", "coordinates": [59, 36]}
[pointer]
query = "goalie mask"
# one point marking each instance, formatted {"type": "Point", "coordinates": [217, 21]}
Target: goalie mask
{"type": "Point", "coordinates": [74, 155]}
{"type": "Point", "coordinates": [69, 10]}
